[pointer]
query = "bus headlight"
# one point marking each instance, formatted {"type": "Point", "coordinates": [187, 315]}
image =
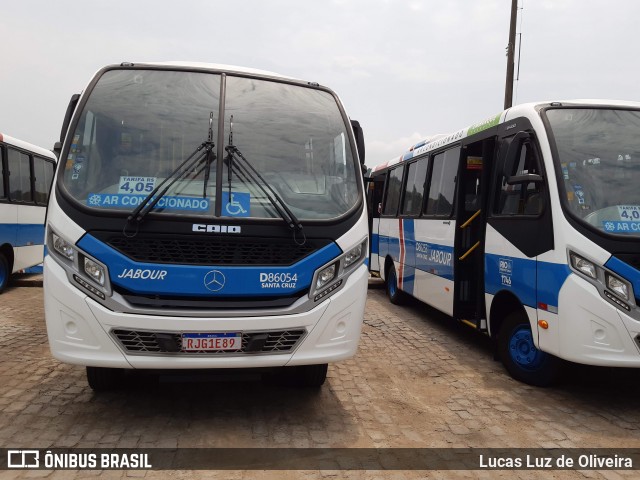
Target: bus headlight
{"type": "Point", "coordinates": [326, 275]}
{"type": "Point", "coordinates": [94, 271]}
{"type": "Point", "coordinates": [583, 266]}
{"type": "Point", "coordinates": [354, 255]}
{"type": "Point", "coordinates": [63, 247]}
{"type": "Point", "coordinates": [617, 286]}
{"type": "Point", "coordinates": [89, 273]}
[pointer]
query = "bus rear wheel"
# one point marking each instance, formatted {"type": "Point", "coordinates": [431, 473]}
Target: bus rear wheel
{"type": "Point", "coordinates": [4, 273]}
{"type": "Point", "coordinates": [521, 358]}
{"type": "Point", "coordinates": [396, 296]}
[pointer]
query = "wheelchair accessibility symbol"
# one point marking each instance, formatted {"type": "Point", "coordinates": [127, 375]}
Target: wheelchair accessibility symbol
{"type": "Point", "coordinates": [236, 206]}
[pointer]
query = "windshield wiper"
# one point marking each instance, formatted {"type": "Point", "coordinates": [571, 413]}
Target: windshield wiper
{"type": "Point", "coordinates": [191, 162]}
{"type": "Point", "coordinates": [249, 172]}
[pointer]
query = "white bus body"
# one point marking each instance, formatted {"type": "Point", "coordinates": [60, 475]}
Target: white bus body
{"type": "Point", "coordinates": [526, 227]}
{"type": "Point", "coordinates": [26, 172]}
{"type": "Point", "coordinates": [263, 266]}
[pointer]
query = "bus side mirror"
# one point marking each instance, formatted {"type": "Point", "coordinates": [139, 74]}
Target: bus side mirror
{"type": "Point", "coordinates": [57, 149]}
{"type": "Point", "coordinates": [513, 149]}
{"type": "Point", "coordinates": [359, 136]}
{"type": "Point", "coordinates": [67, 117]}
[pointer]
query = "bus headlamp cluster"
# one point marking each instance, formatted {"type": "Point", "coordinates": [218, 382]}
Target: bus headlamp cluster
{"type": "Point", "coordinates": [95, 271]}
{"type": "Point", "coordinates": [65, 249]}
{"type": "Point", "coordinates": [617, 286]}
{"type": "Point", "coordinates": [326, 275]}
{"type": "Point", "coordinates": [353, 255]}
{"type": "Point", "coordinates": [615, 289]}
{"type": "Point", "coordinates": [325, 278]}
{"type": "Point", "coordinates": [85, 269]}
{"type": "Point", "coordinates": [583, 265]}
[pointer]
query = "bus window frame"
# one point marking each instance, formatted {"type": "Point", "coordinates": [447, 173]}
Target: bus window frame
{"type": "Point", "coordinates": [425, 158]}
{"type": "Point", "coordinates": [4, 179]}
{"type": "Point", "coordinates": [498, 175]}
{"type": "Point", "coordinates": [386, 191]}
{"type": "Point", "coordinates": [432, 155]}
{"type": "Point", "coordinates": [4, 157]}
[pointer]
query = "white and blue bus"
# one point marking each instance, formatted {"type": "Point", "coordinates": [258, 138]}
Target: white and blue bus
{"type": "Point", "coordinates": [526, 227]}
{"type": "Point", "coordinates": [206, 216]}
{"type": "Point", "coordinates": [26, 174]}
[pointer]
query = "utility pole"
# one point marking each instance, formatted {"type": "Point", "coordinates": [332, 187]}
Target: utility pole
{"type": "Point", "coordinates": [511, 48]}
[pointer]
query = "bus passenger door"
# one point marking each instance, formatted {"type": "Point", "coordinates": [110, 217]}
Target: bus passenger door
{"type": "Point", "coordinates": [375, 189]}
{"type": "Point", "coordinates": [469, 247]}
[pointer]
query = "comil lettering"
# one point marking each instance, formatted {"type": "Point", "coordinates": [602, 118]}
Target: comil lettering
{"type": "Point", "coordinates": [201, 228]}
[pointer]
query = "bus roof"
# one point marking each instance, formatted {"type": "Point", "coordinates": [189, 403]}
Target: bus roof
{"type": "Point", "coordinates": [437, 141]}
{"type": "Point", "coordinates": [43, 152]}
{"type": "Point", "coordinates": [215, 67]}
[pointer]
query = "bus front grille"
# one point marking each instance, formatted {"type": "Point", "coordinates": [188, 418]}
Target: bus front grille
{"type": "Point", "coordinates": [150, 342]}
{"type": "Point", "coordinates": [210, 250]}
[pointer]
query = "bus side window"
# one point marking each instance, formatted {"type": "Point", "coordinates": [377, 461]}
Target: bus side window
{"type": "Point", "coordinates": [3, 189]}
{"type": "Point", "coordinates": [43, 173]}
{"type": "Point", "coordinates": [414, 188]}
{"type": "Point", "coordinates": [394, 187]}
{"type": "Point", "coordinates": [522, 198]}
{"type": "Point", "coordinates": [19, 176]}
{"type": "Point", "coordinates": [443, 183]}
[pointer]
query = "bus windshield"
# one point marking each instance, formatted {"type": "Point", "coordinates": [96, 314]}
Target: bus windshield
{"type": "Point", "coordinates": [138, 126]}
{"type": "Point", "coordinates": [598, 153]}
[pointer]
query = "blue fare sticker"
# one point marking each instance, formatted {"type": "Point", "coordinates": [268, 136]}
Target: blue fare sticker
{"type": "Point", "coordinates": [238, 206]}
{"type": "Point", "coordinates": [108, 200]}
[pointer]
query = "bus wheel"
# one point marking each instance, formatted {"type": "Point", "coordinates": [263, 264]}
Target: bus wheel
{"type": "Point", "coordinates": [4, 273]}
{"type": "Point", "coordinates": [521, 358]}
{"type": "Point", "coordinates": [102, 379]}
{"type": "Point", "coordinates": [310, 376]}
{"type": "Point", "coordinates": [396, 296]}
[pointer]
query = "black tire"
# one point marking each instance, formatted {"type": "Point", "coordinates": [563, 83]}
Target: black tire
{"type": "Point", "coordinates": [102, 379]}
{"type": "Point", "coordinates": [5, 273]}
{"type": "Point", "coordinates": [521, 358]}
{"type": "Point", "coordinates": [311, 376]}
{"type": "Point", "coordinates": [396, 296]}
{"type": "Point", "coordinates": [308, 376]}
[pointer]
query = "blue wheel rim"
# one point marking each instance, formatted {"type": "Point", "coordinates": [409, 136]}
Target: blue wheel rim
{"type": "Point", "coordinates": [522, 349]}
{"type": "Point", "coordinates": [393, 288]}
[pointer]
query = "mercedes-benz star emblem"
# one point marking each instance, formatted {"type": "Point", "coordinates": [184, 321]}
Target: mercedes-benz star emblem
{"type": "Point", "coordinates": [214, 280]}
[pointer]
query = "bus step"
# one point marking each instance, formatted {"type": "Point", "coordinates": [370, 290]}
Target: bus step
{"type": "Point", "coordinates": [479, 324]}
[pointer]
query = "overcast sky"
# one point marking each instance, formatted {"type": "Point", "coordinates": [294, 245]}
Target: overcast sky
{"type": "Point", "coordinates": [404, 69]}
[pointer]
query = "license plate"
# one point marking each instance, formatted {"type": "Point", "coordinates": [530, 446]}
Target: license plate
{"type": "Point", "coordinates": [209, 342]}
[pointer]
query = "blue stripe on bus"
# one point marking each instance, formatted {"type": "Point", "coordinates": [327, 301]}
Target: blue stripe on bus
{"type": "Point", "coordinates": [374, 243]}
{"type": "Point", "coordinates": [146, 278]}
{"type": "Point", "coordinates": [409, 272]}
{"type": "Point", "coordinates": [626, 271]}
{"type": "Point", "coordinates": [22, 234]}
{"type": "Point", "coordinates": [389, 246]}
{"type": "Point", "coordinates": [532, 282]}
{"type": "Point", "coordinates": [551, 277]}
{"type": "Point", "coordinates": [435, 259]}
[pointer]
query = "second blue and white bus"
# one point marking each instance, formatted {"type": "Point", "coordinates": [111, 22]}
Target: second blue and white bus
{"type": "Point", "coordinates": [526, 227]}
{"type": "Point", "coordinates": [206, 216]}
{"type": "Point", "coordinates": [26, 172]}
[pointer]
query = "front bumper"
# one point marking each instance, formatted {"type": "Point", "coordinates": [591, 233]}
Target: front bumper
{"type": "Point", "coordinates": [590, 330]}
{"type": "Point", "coordinates": [80, 329]}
